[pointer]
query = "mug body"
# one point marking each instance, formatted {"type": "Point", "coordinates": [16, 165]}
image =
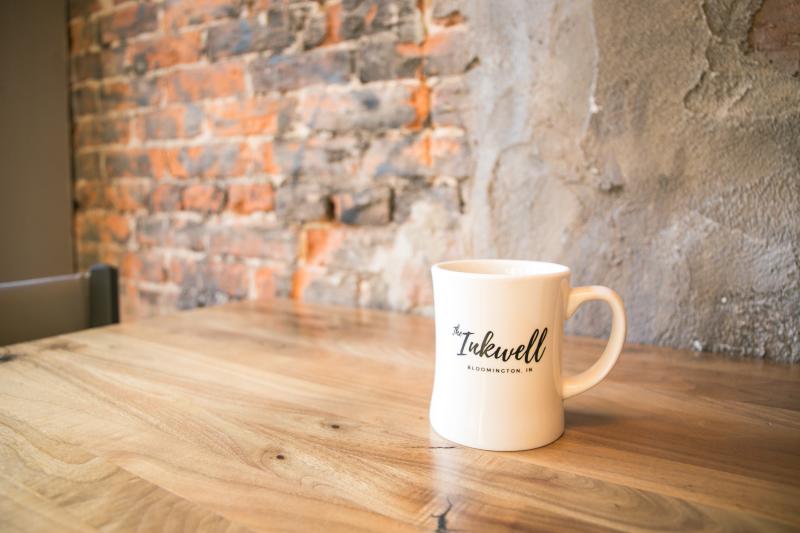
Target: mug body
{"type": "Point", "coordinates": [499, 332]}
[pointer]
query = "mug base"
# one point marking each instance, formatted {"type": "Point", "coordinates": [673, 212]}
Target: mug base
{"type": "Point", "coordinates": [528, 444]}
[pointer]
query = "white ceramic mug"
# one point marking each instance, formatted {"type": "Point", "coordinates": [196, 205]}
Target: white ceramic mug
{"type": "Point", "coordinates": [499, 337]}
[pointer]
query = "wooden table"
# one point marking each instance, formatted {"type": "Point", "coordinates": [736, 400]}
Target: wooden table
{"type": "Point", "coordinates": [288, 417]}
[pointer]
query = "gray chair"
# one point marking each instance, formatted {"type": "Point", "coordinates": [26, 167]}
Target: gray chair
{"type": "Point", "coordinates": [36, 308]}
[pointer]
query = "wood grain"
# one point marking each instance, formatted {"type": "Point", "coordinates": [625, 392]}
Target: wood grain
{"type": "Point", "coordinates": [279, 416]}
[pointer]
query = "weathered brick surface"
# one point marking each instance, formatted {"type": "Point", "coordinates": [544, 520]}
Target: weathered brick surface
{"type": "Point", "coordinates": [303, 202]}
{"type": "Point", "coordinates": [252, 116]}
{"type": "Point", "coordinates": [128, 21]}
{"type": "Point", "coordinates": [101, 130]}
{"type": "Point", "coordinates": [247, 198]}
{"type": "Point", "coordinates": [247, 35]}
{"type": "Point", "coordinates": [286, 72]}
{"type": "Point", "coordinates": [382, 57]}
{"type": "Point", "coordinates": [175, 122]}
{"type": "Point", "coordinates": [125, 95]}
{"type": "Point", "coordinates": [450, 104]}
{"type": "Point", "coordinates": [368, 206]}
{"type": "Point", "coordinates": [319, 159]}
{"type": "Point", "coordinates": [203, 81]}
{"type": "Point", "coordinates": [370, 107]}
{"type": "Point", "coordinates": [203, 198]}
{"type": "Point", "coordinates": [163, 51]}
{"type": "Point", "coordinates": [228, 149]}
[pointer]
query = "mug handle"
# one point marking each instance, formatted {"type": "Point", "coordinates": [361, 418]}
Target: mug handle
{"type": "Point", "coordinates": [573, 385]}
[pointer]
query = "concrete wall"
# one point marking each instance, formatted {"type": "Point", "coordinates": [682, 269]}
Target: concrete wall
{"type": "Point", "coordinates": [654, 147]}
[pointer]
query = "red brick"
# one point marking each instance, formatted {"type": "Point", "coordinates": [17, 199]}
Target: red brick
{"type": "Point", "coordinates": [127, 163]}
{"type": "Point", "coordinates": [153, 301]}
{"type": "Point", "coordinates": [246, 198]}
{"type": "Point", "coordinates": [364, 17]}
{"type": "Point", "coordinates": [166, 197]}
{"type": "Point", "coordinates": [421, 103]}
{"type": "Point", "coordinates": [333, 23]}
{"type": "Point", "coordinates": [447, 52]}
{"type": "Point", "coordinates": [96, 65]}
{"type": "Point", "coordinates": [319, 243]}
{"type": "Point", "coordinates": [264, 282]}
{"type": "Point", "coordinates": [181, 268]}
{"type": "Point", "coordinates": [450, 103]}
{"type": "Point", "coordinates": [382, 57]}
{"type": "Point", "coordinates": [99, 131]}
{"type": "Point", "coordinates": [143, 265]}
{"type": "Point", "coordinates": [203, 198]}
{"type": "Point", "coordinates": [283, 73]}
{"type": "Point", "coordinates": [152, 229]}
{"type": "Point", "coordinates": [90, 194]}
{"type": "Point", "coordinates": [207, 81]}
{"type": "Point", "coordinates": [82, 35]}
{"type": "Point", "coordinates": [322, 159]}
{"type": "Point", "coordinates": [174, 230]}
{"type": "Point", "coordinates": [130, 94]}
{"type": "Point", "coordinates": [129, 301]}
{"type": "Point", "coordinates": [257, 116]}
{"type": "Point", "coordinates": [303, 202]}
{"type": "Point", "coordinates": [128, 195]}
{"type": "Point", "coordinates": [448, 12]}
{"type": "Point", "coordinates": [128, 21]}
{"type": "Point", "coordinates": [445, 197]}
{"type": "Point", "coordinates": [111, 253]}
{"type": "Point", "coordinates": [190, 233]}
{"type": "Point", "coordinates": [203, 161]}
{"type": "Point", "coordinates": [367, 206]}
{"type": "Point", "coordinates": [371, 107]}
{"type": "Point", "coordinates": [87, 166]}
{"type": "Point", "coordinates": [82, 8]}
{"type": "Point", "coordinates": [443, 53]}
{"type": "Point", "coordinates": [101, 227]}
{"type": "Point", "coordinates": [315, 27]}
{"type": "Point", "coordinates": [326, 287]}
{"type": "Point", "coordinates": [243, 36]}
{"type": "Point", "coordinates": [301, 279]}
{"type": "Point", "coordinates": [231, 278]}
{"type": "Point", "coordinates": [450, 155]}
{"type": "Point", "coordinates": [421, 154]}
{"type": "Point", "coordinates": [131, 266]}
{"type": "Point", "coordinates": [179, 13]}
{"type": "Point", "coordinates": [253, 241]}
{"type": "Point", "coordinates": [115, 228]}
{"type": "Point", "coordinates": [175, 122]}
{"type": "Point", "coordinates": [399, 155]}
{"type": "Point", "coordinates": [84, 101]}
{"type": "Point", "coordinates": [164, 51]}
{"type": "Point", "coordinates": [112, 62]}
{"type": "Point", "coordinates": [85, 67]}
{"type": "Point", "coordinates": [268, 159]}
{"type": "Point", "coordinates": [206, 282]}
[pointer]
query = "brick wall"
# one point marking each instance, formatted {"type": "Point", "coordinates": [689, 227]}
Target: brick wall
{"type": "Point", "coordinates": [228, 149]}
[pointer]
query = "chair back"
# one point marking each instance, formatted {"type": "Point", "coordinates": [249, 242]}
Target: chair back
{"type": "Point", "coordinates": [36, 308]}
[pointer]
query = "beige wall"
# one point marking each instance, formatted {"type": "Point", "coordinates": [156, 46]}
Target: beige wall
{"type": "Point", "coordinates": [35, 190]}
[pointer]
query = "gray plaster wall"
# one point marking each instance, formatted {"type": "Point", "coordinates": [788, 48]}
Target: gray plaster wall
{"type": "Point", "coordinates": [646, 145]}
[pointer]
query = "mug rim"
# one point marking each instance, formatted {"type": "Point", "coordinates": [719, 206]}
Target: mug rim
{"type": "Point", "coordinates": [552, 270]}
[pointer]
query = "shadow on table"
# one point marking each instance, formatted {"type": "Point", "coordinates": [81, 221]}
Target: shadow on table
{"type": "Point", "coordinates": [575, 419]}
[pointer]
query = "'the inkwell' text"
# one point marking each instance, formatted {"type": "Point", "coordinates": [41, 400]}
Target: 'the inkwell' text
{"type": "Point", "coordinates": [533, 352]}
